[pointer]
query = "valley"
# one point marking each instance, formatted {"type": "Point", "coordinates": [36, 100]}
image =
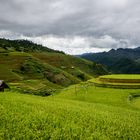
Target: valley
{"type": "Point", "coordinates": [53, 96]}
{"type": "Point", "coordinates": [69, 70]}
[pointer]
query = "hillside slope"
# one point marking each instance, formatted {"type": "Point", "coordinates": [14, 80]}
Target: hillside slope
{"type": "Point", "coordinates": [101, 113]}
{"type": "Point", "coordinates": [118, 61]}
{"type": "Point", "coordinates": [24, 60]}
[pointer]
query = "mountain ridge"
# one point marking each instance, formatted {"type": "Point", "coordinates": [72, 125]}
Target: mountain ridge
{"type": "Point", "coordinates": [122, 60]}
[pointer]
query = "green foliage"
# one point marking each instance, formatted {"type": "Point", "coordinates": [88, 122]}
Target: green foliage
{"type": "Point", "coordinates": [71, 64]}
{"type": "Point", "coordinates": [24, 60]}
{"type": "Point", "coordinates": [118, 81]}
{"type": "Point", "coordinates": [32, 66]}
{"type": "Point", "coordinates": [45, 92]}
{"type": "Point", "coordinates": [121, 76]}
{"type": "Point", "coordinates": [100, 69]}
{"type": "Point", "coordinates": [16, 66]}
{"type": "Point", "coordinates": [36, 87]}
{"type": "Point", "coordinates": [118, 61]}
{"type": "Point", "coordinates": [101, 113]}
{"type": "Point", "coordinates": [23, 46]}
{"type": "Point", "coordinates": [88, 92]}
{"type": "Point", "coordinates": [136, 102]}
{"type": "Point", "coordinates": [7, 74]}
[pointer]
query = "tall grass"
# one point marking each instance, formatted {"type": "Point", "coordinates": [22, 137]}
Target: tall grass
{"type": "Point", "coordinates": [99, 113]}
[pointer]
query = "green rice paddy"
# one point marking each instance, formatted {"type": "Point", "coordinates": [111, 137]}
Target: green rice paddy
{"type": "Point", "coordinates": [122, 76]}
{"type": "Point", "coordinates": [118, 81]}
{"type": "Point", "coordinates": [80, 111]}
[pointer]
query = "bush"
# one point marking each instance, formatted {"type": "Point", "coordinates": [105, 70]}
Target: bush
{"type": "Point", "coordinates": [44, 92]}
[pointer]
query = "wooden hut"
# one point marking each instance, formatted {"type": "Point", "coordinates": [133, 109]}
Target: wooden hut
{"type": "Point", "coordinates": [3, 85]}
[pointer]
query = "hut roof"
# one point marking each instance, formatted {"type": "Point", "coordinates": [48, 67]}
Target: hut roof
{"type": "Point", "coordinates": [1, 82]}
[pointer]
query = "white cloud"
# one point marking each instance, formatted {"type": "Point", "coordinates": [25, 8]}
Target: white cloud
{"type": "Point", "coordinates": [72, 26]}
{"type": "Point", "coordinates": [79, 45]}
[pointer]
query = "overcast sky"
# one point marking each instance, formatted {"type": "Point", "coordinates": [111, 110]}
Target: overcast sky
{"type": "Point", "coordinates": [73, 26]}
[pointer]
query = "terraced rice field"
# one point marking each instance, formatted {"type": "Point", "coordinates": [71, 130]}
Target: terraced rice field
{"type": "Point", "coordinates": [118, 81]}
{"type": "Point", "coordinates": [122, 76]}
{"type": "Point", "coordinates": [78, 112]}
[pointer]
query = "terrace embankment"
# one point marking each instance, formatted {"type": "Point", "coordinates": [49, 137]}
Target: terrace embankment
{"type": "Point", "coordinates": [118, 81]}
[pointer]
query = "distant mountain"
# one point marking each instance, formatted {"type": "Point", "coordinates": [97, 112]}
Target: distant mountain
{"type": "Point", "coordinates": [117, 61]}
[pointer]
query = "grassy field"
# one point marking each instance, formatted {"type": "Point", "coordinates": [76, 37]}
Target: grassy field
{"type": "Point", "coordinates": [77, 112]}
{"type": "Point", "coordinates": [84, 111]}
{"type": "Point", "coordinates": [136, 103]}
{"type": "Point", "coordinates": [122, 76]}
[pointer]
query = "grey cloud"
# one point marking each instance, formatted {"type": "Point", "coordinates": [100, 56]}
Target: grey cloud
{"type": "Point", "coordinates": [91, 19]}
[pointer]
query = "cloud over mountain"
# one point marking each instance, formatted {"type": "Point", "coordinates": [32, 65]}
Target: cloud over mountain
{"type": "Point", "coordinates": [73, 26]}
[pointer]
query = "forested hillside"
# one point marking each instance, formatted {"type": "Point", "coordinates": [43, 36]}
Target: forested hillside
{"type": "Point", "coordinates": [118, 61]}
{"type": "Point", "coordinates": [22, 62]}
